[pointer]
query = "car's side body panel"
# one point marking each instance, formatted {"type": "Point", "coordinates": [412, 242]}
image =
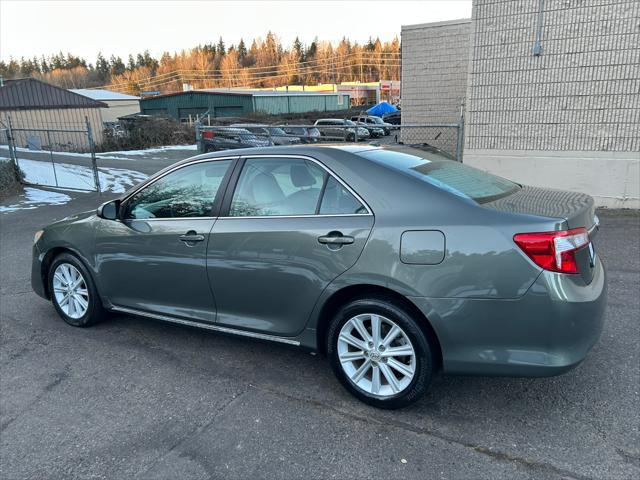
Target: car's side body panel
{"type": "Point", "coordinates": [143, 264]}
{"type": "Point", "coordinates": [267, 273]}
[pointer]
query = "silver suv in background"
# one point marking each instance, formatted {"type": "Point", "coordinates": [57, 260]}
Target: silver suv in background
{"type": "Point", "coordinates": [341, 128]}
{"type": "Point", "coordinates": [268, 132]}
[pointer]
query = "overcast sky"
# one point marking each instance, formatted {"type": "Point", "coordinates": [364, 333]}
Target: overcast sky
{"type": "Point", "coordinates": [84, 28]}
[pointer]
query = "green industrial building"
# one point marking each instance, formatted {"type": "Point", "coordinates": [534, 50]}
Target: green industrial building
{"type": "Point", "coordinates": [186, 106]}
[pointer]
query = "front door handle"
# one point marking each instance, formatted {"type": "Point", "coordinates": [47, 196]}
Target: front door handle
{"type": "Point", "coordinates": [191, 237]}
{"type": "Point", "coordinates": [336, 238]}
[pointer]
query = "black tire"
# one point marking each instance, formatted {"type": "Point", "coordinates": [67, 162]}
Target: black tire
{"type": "Point", "coordinates": [351, 137]}
{"type": "Point", "coordinates": [95, 311]}
{"type": "Point", "coordinates": [424, 365]}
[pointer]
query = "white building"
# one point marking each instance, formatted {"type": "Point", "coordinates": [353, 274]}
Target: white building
{"type": "Point", "coordinates": [118, 104]}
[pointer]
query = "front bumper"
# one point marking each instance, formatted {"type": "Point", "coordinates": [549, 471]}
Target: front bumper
{"type": "Point", "coordinates": [546, 332]}
{"type": "Point", "coordinates": [37, 280]}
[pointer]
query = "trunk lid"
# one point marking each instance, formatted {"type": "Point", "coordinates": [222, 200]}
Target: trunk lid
{"type": "Point", "coordinates": [576, 209]}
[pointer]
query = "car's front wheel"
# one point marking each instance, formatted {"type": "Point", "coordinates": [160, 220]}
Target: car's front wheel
{"type": "Point", "coordinates": [73, 292]}
{"type": "Point", "coordinates": [379, 353]}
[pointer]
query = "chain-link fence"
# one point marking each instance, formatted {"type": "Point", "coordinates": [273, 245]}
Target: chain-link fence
{"type": "Point", "coordinates": [38, 151]}
{"type": "Point", "coordinates": [446, 138]}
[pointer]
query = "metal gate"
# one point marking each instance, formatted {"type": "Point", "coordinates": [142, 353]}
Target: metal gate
{"type": "Point", "coordinates": [40, 152]}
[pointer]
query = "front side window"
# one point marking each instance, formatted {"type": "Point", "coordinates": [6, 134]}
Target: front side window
{"type": "Point", "coordinates": [187, 192]}
{"type": "Point", "coordinates": [277, 186]}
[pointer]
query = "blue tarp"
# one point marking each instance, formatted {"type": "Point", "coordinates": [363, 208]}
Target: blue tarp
{"type": "Point", "coordinates": [381, 108]}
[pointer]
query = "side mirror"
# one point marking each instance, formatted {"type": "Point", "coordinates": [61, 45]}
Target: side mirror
{"type": "Point", "coordinates": [109, 210]}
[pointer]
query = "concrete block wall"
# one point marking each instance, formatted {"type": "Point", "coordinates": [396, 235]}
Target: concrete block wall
{"type": "Point", "coordinates": [568, 118]}
{"type": "Point", "coordinates": [435, 61]}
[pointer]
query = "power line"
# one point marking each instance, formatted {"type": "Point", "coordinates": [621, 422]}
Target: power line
{"type": "Point", "coordinates": [382, 57]}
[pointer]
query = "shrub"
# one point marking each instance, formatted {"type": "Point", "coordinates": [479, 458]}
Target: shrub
{"type": "Point", "coordinates": [10, 178]}
{"type": "Point", "coordinates": [143, 131]}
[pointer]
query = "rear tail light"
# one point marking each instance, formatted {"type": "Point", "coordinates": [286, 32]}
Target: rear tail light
{"type": "Point", "coordinates": [554, 251]}
{"type": "Point", "coordinates": [208, 135]}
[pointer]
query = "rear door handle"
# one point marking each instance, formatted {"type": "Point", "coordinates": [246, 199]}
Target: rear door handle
{"type": "Point", "coordinates": [336, 238]}
{"type": "Point", "coordinates": [191, 237]}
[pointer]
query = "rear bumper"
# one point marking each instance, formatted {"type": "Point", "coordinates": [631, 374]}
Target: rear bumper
{"type": "Point", "coordinates": [546, 332]}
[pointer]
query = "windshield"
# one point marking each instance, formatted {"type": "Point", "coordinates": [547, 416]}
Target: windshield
{"type": "Point", "coordinates": [377, 120]}
{"type": "Point", "coordinates": [449, 175]}
{"type": "Point", "coordinates": [350, 123]}
{"type": "Point", "coordinates": [296, 130]}
{"type": "Point", "coordinates": [277, 131]}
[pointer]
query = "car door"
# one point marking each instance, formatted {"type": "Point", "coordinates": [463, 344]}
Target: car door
{"type": "Point", "coordinates": [154, 258]}
{"type": "Point", "coordinates": [290, 227]}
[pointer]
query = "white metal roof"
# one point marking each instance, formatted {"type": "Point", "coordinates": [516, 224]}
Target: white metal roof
{"type": "Point", "coordinates": [102, 95]}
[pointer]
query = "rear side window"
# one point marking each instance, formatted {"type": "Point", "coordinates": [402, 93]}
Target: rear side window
{"type": "Point", "coordinates": [289, 187]}
{"type": "Point", "coordinates": [449, 175]}
{"type": "Point", "coordinates": [275, 186]}
{"type": "Point", "coordinates": [337, 200]}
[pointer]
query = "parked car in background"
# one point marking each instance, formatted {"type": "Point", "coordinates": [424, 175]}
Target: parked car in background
{"type": "Point", "coordinates": [304, 133]}
{"type": "Point", "coordinates": [394, 118]}
{"type": "Point", "coordinates": [269, 132]}
{"type": "Point", "coordinates": [375, 121]}
{"type": "Point", "coordinates": [341, 128]}
{"type": "Point", "coordinates": [394, 262]}
{"type": "Point", "coordinates": [374, 131]}
{"type": "Point", "coordinates": [226, 138]}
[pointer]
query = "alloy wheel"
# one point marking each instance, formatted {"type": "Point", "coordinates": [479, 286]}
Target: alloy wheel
{"type": "Point", "coordinates": [70, 291]}
{"type": "Point", "coordinates": [376, 355]}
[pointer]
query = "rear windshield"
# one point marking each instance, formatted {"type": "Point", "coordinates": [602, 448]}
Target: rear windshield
{"type": "Point", "coordinates": [454, 177]}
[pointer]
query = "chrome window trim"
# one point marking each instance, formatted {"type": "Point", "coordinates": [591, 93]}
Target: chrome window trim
{"type": "Point", "coordinates": [369, 212]}
{"type": "Point", "coordinates": [206, 326]}
{"type": "Point", "coordinates": [310, 215]}
{"type": "Point", "coordinates": [177, 167]}
{"type": "Point", "coordinates": [167, 218]}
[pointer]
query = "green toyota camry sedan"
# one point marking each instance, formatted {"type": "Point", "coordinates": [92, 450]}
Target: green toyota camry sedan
{"type": "Point", "coordinates": [396, 263]}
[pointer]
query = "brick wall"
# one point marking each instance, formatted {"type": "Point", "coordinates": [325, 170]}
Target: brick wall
{"type": "Point", "coordinates": [581, 94]}
{"type": "Point", "coordinates": [435, 60]}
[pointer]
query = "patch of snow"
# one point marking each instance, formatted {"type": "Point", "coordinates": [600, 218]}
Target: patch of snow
{"type": "Point", "coordinates": [166, 148]}
{"type": "Point", "coordinates": [57, 154]}
{"type": "Point", "coordinates": [111, 155]}
{"type": "Point", "coordinates": [78, 177]}
{"type": "Point", "coordinates": [34, 198]}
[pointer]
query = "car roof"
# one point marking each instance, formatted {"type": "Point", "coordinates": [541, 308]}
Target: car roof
{"type": "Point", "coordinates": [233, 130]}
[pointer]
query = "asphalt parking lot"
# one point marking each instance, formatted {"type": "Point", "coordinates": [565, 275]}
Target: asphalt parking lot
{"type": "Point", "coordinates": [134, 398]}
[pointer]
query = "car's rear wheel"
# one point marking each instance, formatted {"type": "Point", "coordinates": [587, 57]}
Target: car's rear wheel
{"type": "Point", "coordinates": [73, 292]}
{"type": "Point", "coordinates": [379, 353]}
